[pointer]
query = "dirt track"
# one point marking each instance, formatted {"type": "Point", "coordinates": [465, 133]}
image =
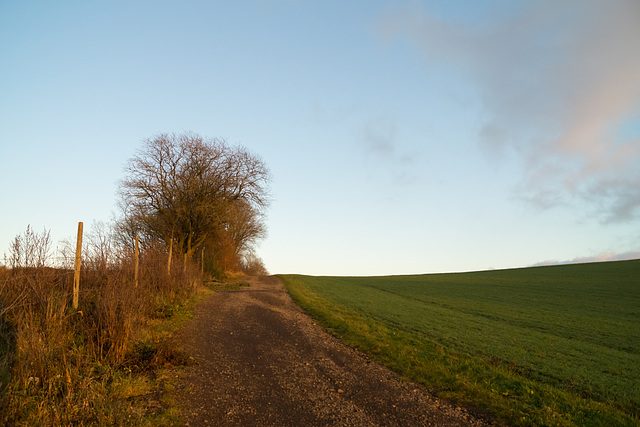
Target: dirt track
{"type": "Point", "coordinates": [261, 362]}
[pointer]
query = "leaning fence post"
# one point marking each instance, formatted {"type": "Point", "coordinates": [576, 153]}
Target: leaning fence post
{"type": "Point", "coordinates": [169, 259]}
{"type": "Point", "coordinates": [136, 259]}
{"type": "Point", "coordinates": [76, 274]}
{"type": "Point", "coordinates": [202, 264]}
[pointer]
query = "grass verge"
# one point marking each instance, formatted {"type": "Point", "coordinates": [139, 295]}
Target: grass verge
{"type": "Point", "coordinates": [101, 363]}
{"type": "Point", "coordinates": [154, 360]}
{"type": "Point", "coordinates": [455, 368]}
{"type": "Point", "coordinates": [80, 390]}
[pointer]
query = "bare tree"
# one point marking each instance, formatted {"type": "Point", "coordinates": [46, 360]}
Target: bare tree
{"type": "Point", "coordinates": [244, 225]}
{"type": "Point", "coordinates": [100, 252]}
{"type": "Point", "coordinates": [186, 189]}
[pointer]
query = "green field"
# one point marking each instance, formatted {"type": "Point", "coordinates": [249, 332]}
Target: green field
{"type": "Point", "coordinates": [555, 345]}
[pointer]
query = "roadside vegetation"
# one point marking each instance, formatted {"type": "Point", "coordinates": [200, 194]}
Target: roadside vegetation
{"type": "Point", "coordinates": [195, 206]}
{"type": "Point", "coordinates": [538, 346]}
{"type": "Point", "coordinates": [99, 364]}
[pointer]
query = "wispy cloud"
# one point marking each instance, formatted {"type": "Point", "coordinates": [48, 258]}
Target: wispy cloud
{"type": "Point", "coordinates": [607, 256]}
{"type": "Point", "coordinates": [379, 140]}
{"type": "Point", "coordinates": [559, 82]}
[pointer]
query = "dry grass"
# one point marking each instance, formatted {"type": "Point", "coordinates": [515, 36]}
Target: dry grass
{"type": "Point", "coordinates": [60, 366]}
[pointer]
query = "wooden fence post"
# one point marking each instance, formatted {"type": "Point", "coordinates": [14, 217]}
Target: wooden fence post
{"type": "Point", "coordinates": [76, 274]}
{"type": "Point", "coordinates": [170, 255]}
{"type": "Point", "coordinates": [136, 259]}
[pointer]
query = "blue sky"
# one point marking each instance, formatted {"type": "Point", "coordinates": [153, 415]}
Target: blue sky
{"type": "Point", "coordinates": [403, 137]}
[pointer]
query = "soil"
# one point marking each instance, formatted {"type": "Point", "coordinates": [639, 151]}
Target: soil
{"type": "Point", "coordinates": [260, 361]}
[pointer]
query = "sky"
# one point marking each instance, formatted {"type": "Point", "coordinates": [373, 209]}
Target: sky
{"type": "Point", "coordinates": [403, 137]}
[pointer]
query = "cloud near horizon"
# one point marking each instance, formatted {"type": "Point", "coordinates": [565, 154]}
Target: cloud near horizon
{"type": "Point", "coordinates": [607, 256]}
{"type": "Point", "coordinates": [560, 90]}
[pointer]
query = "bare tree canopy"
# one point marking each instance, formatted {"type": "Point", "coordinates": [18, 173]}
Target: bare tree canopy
{"type": "Point", "coordinates": [188, 189]}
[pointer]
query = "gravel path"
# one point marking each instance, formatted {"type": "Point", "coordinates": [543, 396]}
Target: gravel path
{"type": "Point", "coordinates": [260, 361]}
